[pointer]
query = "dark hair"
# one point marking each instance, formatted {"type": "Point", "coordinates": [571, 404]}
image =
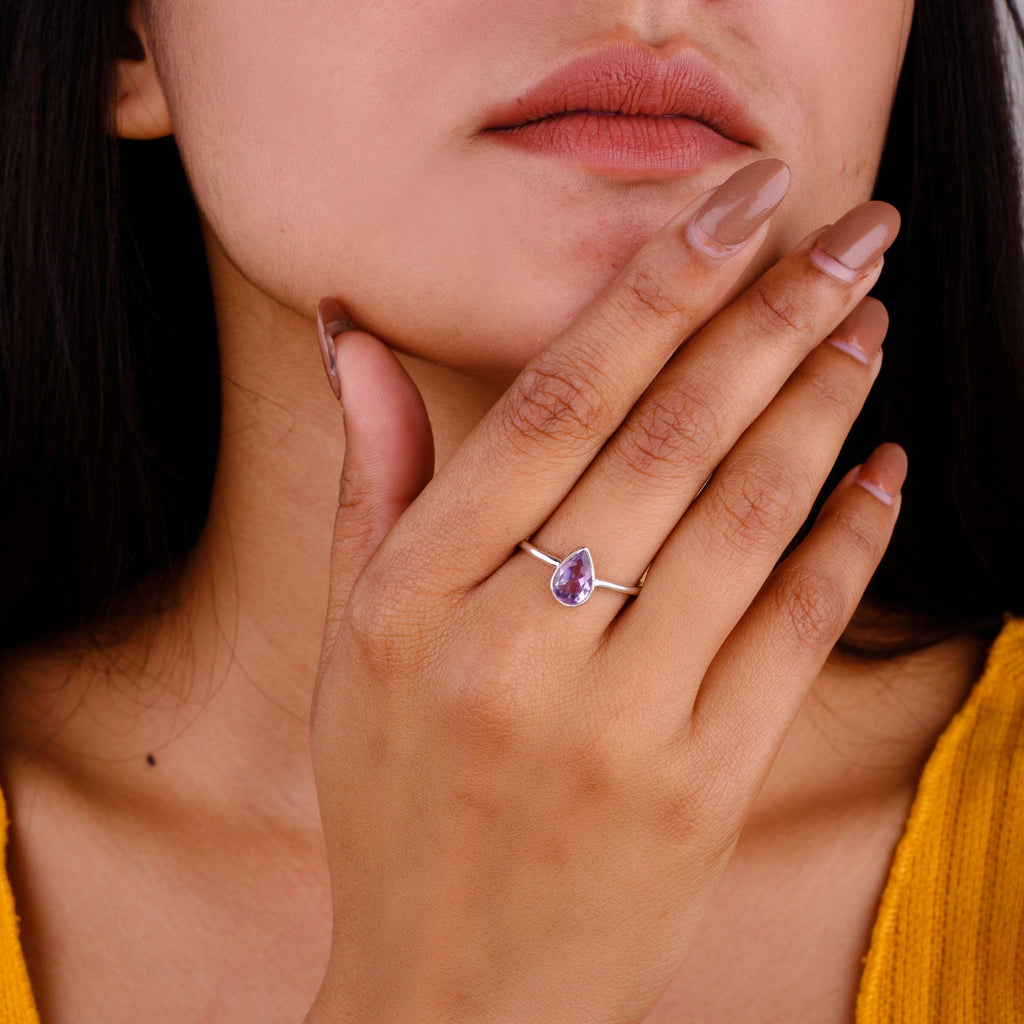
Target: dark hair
{"type": "Point", "coordinates": [109, 398]}
{"type": "Point", "coordinates": [109, 389]}
{"type": "Point", "coordinates": [952, 386]}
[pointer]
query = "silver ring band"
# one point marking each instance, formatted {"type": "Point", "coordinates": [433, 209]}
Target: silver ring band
{"type": "Point", "coordinates": [574, 579]}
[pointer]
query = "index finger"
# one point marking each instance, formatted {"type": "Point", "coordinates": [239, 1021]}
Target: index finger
{"type": "Point", "coordinates": [537, 440]}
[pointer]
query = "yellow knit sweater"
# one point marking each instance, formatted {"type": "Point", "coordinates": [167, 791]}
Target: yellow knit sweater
{"type": "Point", "coordinates": [16, 1003]}
{"type": "Point", "coordinates": [948, 943]}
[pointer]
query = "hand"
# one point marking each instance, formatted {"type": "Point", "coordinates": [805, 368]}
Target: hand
{"type": "Point", "coordinates": [527, 806]}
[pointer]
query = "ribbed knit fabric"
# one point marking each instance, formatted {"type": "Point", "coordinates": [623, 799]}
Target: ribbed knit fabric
{"type": "Point", "coordinates": [948, 942]}
{"type": "Point", "coordinates": [16, 1003]}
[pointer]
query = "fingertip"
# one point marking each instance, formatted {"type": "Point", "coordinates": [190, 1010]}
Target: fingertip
{"type": "Point", "coordinates": [862, 332]}
{"type": "Point", "coordinates": [884, 473]}
{"type": "Point", "coordinates": [331, 314]}
{"type": "Point", "coordinates": [868, 317]}
{"type": "Point", "coordinates": [732, 214]}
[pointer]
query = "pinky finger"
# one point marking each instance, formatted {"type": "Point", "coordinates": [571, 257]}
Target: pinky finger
{"type": "Point", "coordinates": [762, 674]}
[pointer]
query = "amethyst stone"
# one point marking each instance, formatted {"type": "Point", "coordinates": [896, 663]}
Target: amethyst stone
{"type": "Point", "coordinates": [573, 581]}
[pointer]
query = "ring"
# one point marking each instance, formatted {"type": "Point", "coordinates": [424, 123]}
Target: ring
{"type": "Point", "coordinates": [573, 580]}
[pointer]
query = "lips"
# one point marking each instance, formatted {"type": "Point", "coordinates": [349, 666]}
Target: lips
{"type": "Point", "coordinates": [624, 109]}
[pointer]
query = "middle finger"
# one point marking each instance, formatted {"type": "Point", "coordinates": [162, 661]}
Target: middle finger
{"type": "Point", "coordinates": [639, 486]}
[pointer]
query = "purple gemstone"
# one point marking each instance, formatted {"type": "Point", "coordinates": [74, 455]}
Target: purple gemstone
{"type": "Point", "coordinates": [573, 581]}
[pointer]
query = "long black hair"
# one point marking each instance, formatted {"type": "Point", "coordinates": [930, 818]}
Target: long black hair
{"type": "Point", "coordinates": [109, 391]}
{"type": "Point", "coordinates": [952, 387]}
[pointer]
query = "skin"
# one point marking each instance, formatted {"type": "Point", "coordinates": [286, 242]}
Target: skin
{"type": "Point", "coordinates": [410, 143]}
{"type": "Point", "coordinates": [222, 840]}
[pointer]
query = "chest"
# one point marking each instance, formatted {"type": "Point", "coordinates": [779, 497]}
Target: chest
{"type": "Point", "coordinates": [202, 928]}
{"type": "Point", "coordinates": [212, 926]}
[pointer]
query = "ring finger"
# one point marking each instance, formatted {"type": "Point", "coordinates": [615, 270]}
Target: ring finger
{"type": "Point", "coordinates": [639, 486]}
{"type": "Point", "coordinates": [734, 533]}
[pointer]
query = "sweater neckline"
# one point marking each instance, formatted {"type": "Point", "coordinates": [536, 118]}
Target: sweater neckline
{"type": "Point", "coordinates": [999, 689]}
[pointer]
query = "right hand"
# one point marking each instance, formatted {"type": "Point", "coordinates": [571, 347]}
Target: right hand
{"type": "Point", "coordinates": [527, 807]}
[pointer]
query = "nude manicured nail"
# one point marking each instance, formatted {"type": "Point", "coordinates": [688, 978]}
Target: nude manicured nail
{"type": "Point", "coordinates": [331, 321]}
{"type": "Point", "coordinates": [883, 474]}
{"type": "Point", "coordinates": [861, 334]}
{"type": "Point", "coordinates": [739, 207]}
{"type": "Point", "coordinates": [854, 243]}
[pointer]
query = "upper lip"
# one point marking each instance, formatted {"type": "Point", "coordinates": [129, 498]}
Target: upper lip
{"type": "Point", "coordinates": [632, 81]}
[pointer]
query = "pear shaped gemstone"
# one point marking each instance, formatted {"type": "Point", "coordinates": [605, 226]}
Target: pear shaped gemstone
{"type": "Point", "coordinates": [573, 581]}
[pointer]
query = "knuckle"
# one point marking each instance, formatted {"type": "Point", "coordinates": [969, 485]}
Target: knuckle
{"type": "Point", "coordinates": [359, 515]}
{"type": "Point", "coordinates": [645, 291]}
{"type": "Point", "coordinates": [373, 616]}
{"type": "Point", "coordinates": [354, 500]}
{"type": "Point", "coordinates": [756, 501]}
{"type": "Point", "coordinates": [371, 638]}
{"type": "Point", "coordinates": [385, 625]}
{"type": "Point", "coordinates": [493, 699]}
{"type": "Point", "coordinates": [776, 310]}
{"type": "Point", "coordinates": [813, 609]}
{"type": "Point", "coordinates": [831, 394]}
{"type": "Point", "coordinates": [557, 402]}
{"type": "Point", "coordinates": [671, 431]}
{"type": "Point", "coordinates": [861, 533]}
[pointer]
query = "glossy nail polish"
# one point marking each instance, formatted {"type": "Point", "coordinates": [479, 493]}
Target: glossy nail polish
{"type": "Point", "coordinates": [853, 245]}
{"type": "Point", "coordinates": [739, 207]}
{"type": "Point", "coordinates": [883, 474]}
{"type": "Point", "coordinates": [861, 334]}
{"type": "Point", "coordinates": [331, 321]}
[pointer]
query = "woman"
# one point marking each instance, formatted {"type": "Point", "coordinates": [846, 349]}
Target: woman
{"type": "Point", "coordinates": [593, 250]}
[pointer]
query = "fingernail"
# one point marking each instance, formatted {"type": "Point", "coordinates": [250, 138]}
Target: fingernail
{"type": "Point", "coordinates": [855, 242]}
{"type": "Point", "coordinates": [861, 334]}
{"type": "Point", "coordinates": [884, 472]}
{"type": "Point", "coordinates": [738, 207]}
{"type": "Point", "coordinates": [330, 322]}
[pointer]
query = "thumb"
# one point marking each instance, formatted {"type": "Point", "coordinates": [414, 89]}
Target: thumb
{"type": "Point", "coordinates": [389, 446]}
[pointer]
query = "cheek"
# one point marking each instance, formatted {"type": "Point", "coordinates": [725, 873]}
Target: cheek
{"type": "Point", "coordinates": [843, 68]}
{"type": "Point", "coordinates": [293, 140]}
{"type": "Point", "coordinates": [336, 155]}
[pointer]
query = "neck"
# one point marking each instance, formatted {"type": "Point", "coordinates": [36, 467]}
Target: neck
{"type": "Point", "coordinates": [222, 679]}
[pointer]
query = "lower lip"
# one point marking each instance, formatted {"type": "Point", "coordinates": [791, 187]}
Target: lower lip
{"type": "Point", "coordinates": [623, 143]}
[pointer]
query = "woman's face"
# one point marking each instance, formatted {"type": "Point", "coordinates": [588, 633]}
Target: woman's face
{"type": "Point", "coordinates": [352, 147]}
